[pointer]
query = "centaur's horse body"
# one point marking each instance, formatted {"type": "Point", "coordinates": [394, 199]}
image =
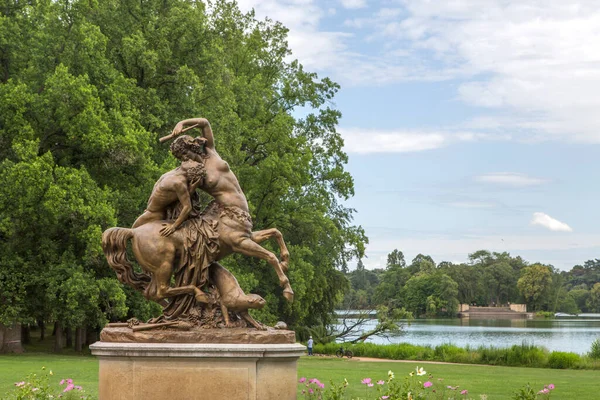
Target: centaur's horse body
{"type": "Point", "coordinates": [158, 256]}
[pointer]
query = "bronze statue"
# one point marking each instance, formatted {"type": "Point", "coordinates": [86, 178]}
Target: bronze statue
{"type": "Point", "coordinates": [190, 246]}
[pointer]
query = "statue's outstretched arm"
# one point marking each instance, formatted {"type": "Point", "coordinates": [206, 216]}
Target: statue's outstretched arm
{"type": "Point", "coordinates": [183, 195]}
{"type": "Point", "coordinates": [199, 122]}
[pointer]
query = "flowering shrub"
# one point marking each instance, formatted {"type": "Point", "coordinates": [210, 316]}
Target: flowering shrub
{"type": "Point", "coordinates": [37, 387]}
{"type": "Point", "coordinates": [528, 393]}
{"type": "Point", "coordinates": [417, 385]}
{"type": "Point", "coordinates": [313, 388]}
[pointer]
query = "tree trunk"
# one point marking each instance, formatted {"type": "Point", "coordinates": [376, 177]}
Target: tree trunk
{"type": "Point", "coordinates": [91, 336]}
{"type": "Point", "coordinates": [42, 326]}
{"type": "Point", "coordinates": [78, 339]}
{"type": "Point", "coordinates": [25, 334]}
{"type": "Point", "coordinates": [58, 337]}
{"type": "Point", "coordinates": [10, 339]}
{"type": "Point", "coordinates": [69, 335]}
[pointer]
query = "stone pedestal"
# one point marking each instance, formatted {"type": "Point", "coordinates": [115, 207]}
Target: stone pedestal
{"type": "Point", "coordinates": [207, 371]}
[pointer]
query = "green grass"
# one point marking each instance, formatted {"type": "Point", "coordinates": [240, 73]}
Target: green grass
{"type": "Point", "coordinates": [497, 382]}
{"type": "Point", "coordinates": [83, 369]}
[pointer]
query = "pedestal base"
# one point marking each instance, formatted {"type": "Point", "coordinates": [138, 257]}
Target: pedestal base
{"type": "Point", "coordinates": [186, 371]}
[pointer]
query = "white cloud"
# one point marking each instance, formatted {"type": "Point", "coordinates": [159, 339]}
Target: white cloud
{"type": "Point", "coordinates": [535, 62]}
{"type": "Point", "coordinates": [536, 59]}
{"type": "Point", "coordinates": [364, 141]}
{"type": "Point", "coordinates": [368, 141]}
{"type": "Point", "coordinates": [510, 179]}
{"type": "Point", "coordinates": [353, 4]}
{"type": "Point", "coordinates": [541, 219]}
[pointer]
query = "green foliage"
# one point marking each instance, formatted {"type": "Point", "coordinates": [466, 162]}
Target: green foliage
{"type": "Point", "coordinates": [544, 314]}
{"type": "Point", "coordinates": [534, 284]}
{"type": "Point", "coordinates": [85, 90]}
{"type": "Point", "coordinates": [524, 355]}
{"type": "Point", "coordinates": [516, 355]}
{"type": "Point", "coordinates": [431, 294]}
{"type": "Point", "coordinates": [525, 393]}
{"type": "Point", "coordinates": [563, 360]}
{"type": "Point", "coordinates": [37, 387]}
{"type": "Point", "coordinates": [593, 301]}
{"type": "Point", "coordinates": [595, 350]}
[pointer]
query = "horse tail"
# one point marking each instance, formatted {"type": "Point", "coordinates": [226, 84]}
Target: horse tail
{"type": "Point", "coordinates": [114, 245]}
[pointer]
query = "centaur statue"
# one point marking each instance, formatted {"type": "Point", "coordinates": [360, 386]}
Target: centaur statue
{"type": "Point", "coordinates": [173, 237]}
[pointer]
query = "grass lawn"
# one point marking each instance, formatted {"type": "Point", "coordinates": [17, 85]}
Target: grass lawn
{"type": "Point", "coordinates": [83, 369]}
{"type": "Point", "coordinates": [496, 382]}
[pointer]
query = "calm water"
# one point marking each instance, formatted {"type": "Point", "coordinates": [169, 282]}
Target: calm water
{"type": "Point", "coordinates": [568, 334]}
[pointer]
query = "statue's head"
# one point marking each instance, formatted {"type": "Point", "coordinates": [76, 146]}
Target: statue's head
{"type": "Point", "coordinates": [255, 301]}
{"type": "Point", "coordinates": [186, 147]}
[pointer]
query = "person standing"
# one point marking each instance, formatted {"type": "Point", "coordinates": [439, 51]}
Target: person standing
{"type": "Point", "coordinates": [310, 346]}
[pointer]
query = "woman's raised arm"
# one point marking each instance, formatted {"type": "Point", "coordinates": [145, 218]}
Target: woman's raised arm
{"type": "Point", "coordinates": [199, 122]}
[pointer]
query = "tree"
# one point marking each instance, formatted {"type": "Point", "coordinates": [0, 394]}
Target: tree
{"type": "Point", "coordinates": [432, 294]}
{"type": "Point", "coordinates": [534, 285]}
{"type": "Point", "coordinates": [499, 278]}
{"type": "Point", "coordinates": [392, 281]}
{"type": "Point", "coordinates": [593, 301]}
{"type": "Point", "coordinates": [395, 259]}
{"type": "Point", "coordinates": [86, 88]}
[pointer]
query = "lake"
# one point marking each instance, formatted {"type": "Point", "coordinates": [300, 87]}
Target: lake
{"type": "Point", "coordinates": [574, 334]}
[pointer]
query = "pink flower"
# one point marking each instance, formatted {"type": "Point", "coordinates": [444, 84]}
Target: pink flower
{"type": "Point", "coordinates": [62, 382]}
{"type": "Point", "coordinates": [310, 391]}
{"type": "Point", "coordinates": [366, 381]}
{"type": "Point", "coordinates": [370, 385]}
{"type": "Point", "coordinates": [544, 391]}
{"type": "Point", "coordinates": [70, 381]}
{"type": "Point", "coordinates": [452, 387]}
{"type": "Point", "coordinates": [19, 384]}
{"type": "Point", "coordinates": [69, 387]}
{"type": "Point", "coordinates": [463, 392]}
{"type": "Point", "coordinates": [314, 380]}
{"type": "Point", "coordinates": [380, 382]}
{"type": "Point", "coordinates": [302, 380]}
{"type": "Point", "coordinates": [551, 386]}
{"type": "Point", "coordinates": [78, 387]}
{"type": "Point", "coordinates": [427, 384]}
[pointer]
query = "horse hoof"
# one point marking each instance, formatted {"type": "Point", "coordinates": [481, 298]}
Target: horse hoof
{"type": "Point", "coordinates": [201, 298]}
{"type": "Point", "coordinates": [289, 295]}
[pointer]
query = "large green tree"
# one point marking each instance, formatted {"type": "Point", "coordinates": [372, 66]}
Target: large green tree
{"type": "Point", "coordinates": [534, 284]}
{"type": "Point", "coordinates": [87, 87]}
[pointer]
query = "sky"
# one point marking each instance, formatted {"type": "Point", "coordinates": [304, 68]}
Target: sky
{"type": "Point", "coordinates": [469, 124]}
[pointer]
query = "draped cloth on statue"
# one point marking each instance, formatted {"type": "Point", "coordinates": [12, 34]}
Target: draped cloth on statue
{"type": "Point", "coordinates": [201, 246]}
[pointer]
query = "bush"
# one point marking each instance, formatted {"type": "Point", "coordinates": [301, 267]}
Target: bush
{"type": "Point", "coordinates": [595, 351]}
{"type": "Point", "coordinates": [526, 354]}
{"type": "Point", "coordinates": [450, 353]}
{"type": "Point", "coordinates": [523, 355]}
{"type": "Point", "coordinates": [563, 360]}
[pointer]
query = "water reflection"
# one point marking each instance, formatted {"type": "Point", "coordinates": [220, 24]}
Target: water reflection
{"type": "Point", "coordinates": [569, 334]}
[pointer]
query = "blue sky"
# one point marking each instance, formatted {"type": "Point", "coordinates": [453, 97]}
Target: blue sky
{"type": "Point", "coordinates": [469, 124]}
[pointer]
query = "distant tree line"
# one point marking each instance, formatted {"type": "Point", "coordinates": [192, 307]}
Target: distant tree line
{"type": "Point", "coordinates": [487, 279]}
